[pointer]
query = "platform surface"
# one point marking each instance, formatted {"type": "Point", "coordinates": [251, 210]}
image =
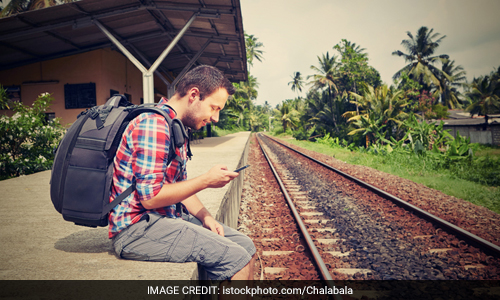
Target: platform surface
{"type": "Point", "coordinates": [36, 243]}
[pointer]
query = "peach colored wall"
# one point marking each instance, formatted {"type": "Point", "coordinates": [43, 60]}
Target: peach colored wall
{"type": "Point", "coordinates": [107, 68]}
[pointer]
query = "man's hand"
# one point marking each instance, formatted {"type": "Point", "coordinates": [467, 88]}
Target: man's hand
{"type": "Point", "coordinates": [210, 223]}
{"type": "Point", "coordinates": [219, 176]}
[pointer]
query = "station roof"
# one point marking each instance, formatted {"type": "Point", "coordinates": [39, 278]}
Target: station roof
{"type": "Point", "coordinates": [144, 27]}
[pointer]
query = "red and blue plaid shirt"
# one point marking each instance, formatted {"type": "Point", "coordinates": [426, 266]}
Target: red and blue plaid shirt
{"type": "Point", "coordinates": [142, 158]}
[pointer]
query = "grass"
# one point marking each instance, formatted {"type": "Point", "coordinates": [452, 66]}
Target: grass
{"type": "Point", "coordinates": [216, 131]}
{"type": "Point", "coordinates": [417, 170]}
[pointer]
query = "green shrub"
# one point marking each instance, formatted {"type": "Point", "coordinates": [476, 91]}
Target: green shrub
{"type": "Point", "coordinates": [27, 140]}
{"type": "Point", "coordinates": [302, 134]}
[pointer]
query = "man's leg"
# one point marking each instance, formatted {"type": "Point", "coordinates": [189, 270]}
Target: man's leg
{"type": "Point", "coordinates": [163, 239]}
{"type": "Point", "coordinates": [247, 272]}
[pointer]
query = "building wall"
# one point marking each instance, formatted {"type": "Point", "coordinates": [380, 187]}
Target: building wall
{"type": "Point", "coordinates": [476, 133]}
{"type": "Point", "coordinates": [495, 135]}
{"type": "Point", "coordinates": [107, 68]}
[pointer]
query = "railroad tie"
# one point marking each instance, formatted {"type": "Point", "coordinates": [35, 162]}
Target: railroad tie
{"type": "Point", "coordinates": [274, 253]}
{"type": "Point", "coordinates": [311, 213]}
{"type": "Point", "coordinates": [329, 230]}
{"type": "Point", "coordinates": [338, 253]}
{"type": "Point", "coordinates": [316, 221]}
{"type": "Point", "coordinates": [352, 271]}
{"type": "Point", "coordinates": [272, 270]}
{"type": "Point", "coordinates": [478, 266]}
{"type": "Point", "coordinates": [329, 241]}
{"type": "Point", "coordinates": [302, 202]}
{"type": "Point", "coordinates": [432, 251]}
{"type": "Point", "coordinates": [307, 206]}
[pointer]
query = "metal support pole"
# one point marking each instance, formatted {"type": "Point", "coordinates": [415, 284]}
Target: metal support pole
{"type": "Point", "coordinates": [172, 44]}
{"type": "Point", "coordinates": [171, 89]}
{"type": "Point", "coordinates": [147, 75]}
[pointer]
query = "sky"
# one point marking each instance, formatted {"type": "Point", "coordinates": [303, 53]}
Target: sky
{"type": "Point", "coordinates": [296, 32]}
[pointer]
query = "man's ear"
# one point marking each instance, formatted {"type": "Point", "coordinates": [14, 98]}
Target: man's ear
{"type": "Point", "coordinates": [194, 94]}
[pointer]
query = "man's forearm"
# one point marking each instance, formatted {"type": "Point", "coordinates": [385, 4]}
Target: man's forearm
{"type": "Point", "coordinates": [217, 177]}
{"type": "Point", "coordinates": [196, 208]}
{"type": "Point", "coordinates": [172, 193]}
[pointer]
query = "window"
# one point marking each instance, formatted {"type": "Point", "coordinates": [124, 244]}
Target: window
{"type": "Point", "coordinates": [79, 95]}
{"type": "Point", "coordinates": [49, 116]}
{"type": "Point", "coordinates": [13, 92]}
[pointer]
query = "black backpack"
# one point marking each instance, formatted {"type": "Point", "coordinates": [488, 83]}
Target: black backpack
{"type": "Point", "coordinates": [82, 173]}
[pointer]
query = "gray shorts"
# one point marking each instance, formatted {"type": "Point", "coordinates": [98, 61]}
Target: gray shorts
{"type": "Point", "coordinates": [157, 238]}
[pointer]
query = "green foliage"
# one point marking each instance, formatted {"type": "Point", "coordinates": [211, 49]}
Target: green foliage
{"type": "Point", "coordinates": [222, 132]}
{"type": "Point", "coordinates": [420, 53]}
{"type": "Point", "coordinates": [302, 133]}
{"type": "Point", "coordinates": [252, 46]}
{"type": "Point", "coordinates": [4, 98]}
{"type": "Point", "coordinates": [27, 140]}
{"type": "Point", "coordinates": [433, 147]}
{"type": "Point", "coordinates": [485, 95]}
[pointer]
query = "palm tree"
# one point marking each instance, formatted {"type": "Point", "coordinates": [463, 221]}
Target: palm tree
{"type": "Point", "coordinates": [326, 73]}
{"type": "Point", "coordinates": [345, 46]}
{"type": "Point", "coordinates": [247, 89]}
{"type": "Point", "coordinates": [246, 92]}
{"type": "Point", "coordinates": [18, 6]}
{"type": "Point", "coordinates": [297, 82]}
{"type": "Point", "coordinates": [324, 112]}
{"type": "Point", "coordinates": [253, 46]}
{"type": "Point", "coordinates": [449, 93]}
{"type": "Point", "coordinates": [288, 115]}
{"type": "Point", "coordinates": [421, 58]}
{"type": "Point", "coordinates": [484, 96]}
{"type": "Point", "coordinates": [380, 106]}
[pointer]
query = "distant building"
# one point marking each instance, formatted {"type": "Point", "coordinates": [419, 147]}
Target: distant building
{"type": "Point", "coordinates": [76, 82]}
{"type": "Point", "coordinates": [85, 51]}
{"type": "Point", "coordinates": [480, 129]}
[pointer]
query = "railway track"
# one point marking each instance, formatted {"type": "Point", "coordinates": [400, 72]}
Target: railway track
{"type": "Point", "coordinates": [347, 229]}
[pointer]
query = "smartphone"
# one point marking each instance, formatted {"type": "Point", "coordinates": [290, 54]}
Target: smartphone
{"type": "Point", "coordinates": [242, 168]}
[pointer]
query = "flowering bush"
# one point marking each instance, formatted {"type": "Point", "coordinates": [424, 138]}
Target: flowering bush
{"type": "Point", "coordinates": [27, 139]}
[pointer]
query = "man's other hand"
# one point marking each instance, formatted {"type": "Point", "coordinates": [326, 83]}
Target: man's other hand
{"type": "Point", "coordinates": [210, 223]}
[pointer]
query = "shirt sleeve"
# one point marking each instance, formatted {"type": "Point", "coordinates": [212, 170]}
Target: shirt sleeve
{"type": "Point", "coordinates": [150, 141]}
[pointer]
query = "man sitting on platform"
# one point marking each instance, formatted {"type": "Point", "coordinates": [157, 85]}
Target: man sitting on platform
{"type": "Point", "coordinates": [145, 226]}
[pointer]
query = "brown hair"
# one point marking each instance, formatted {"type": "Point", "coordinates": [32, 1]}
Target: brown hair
{"type": "Point", "coordinates": [207, 79]}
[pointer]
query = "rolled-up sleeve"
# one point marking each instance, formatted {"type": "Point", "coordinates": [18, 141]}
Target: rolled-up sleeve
{"type": "Point", "coordinates": [150, 141]}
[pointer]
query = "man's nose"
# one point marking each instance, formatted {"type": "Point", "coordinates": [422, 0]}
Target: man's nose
{"type": "Point", "coordinates": [215, 117]}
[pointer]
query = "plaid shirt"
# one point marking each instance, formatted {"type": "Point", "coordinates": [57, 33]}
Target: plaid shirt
{"type": "Point", "coordinates": [142, 158]}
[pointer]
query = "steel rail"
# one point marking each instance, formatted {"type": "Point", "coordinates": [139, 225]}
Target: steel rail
{"type": "Point", "coordinates": [317, 257]}
{"type": "Point", "coordinates": [470, 237]}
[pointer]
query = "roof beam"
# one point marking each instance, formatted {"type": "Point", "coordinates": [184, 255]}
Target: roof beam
{"type": "Point", "coordinates": [202, 12]}
{"type": "Point", "coordinates": [186, 68]}
{"type": "Point", "coordinates": [18, 49]}
{"type": "Point", "coordinates": [86, 19]}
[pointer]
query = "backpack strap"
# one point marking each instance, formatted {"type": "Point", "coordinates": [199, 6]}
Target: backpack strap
{"type": "Point", "coordinates": [177, 137]}
{"type": "Point", "coordinates": [108, 207]}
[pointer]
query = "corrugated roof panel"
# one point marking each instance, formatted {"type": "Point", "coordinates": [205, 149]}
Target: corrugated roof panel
{"type": "Point", "coordinates": [67, 29]}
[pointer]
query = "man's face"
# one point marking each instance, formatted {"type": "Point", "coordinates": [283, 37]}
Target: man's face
{"type": "Point", "coordinates": [207, 110]}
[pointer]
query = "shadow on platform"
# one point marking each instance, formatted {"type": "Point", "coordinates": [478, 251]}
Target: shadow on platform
{"type": "Point", "coordinates": [88, 241]}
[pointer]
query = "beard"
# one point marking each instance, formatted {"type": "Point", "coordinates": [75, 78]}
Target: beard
{"type": "Point", "coordinates": [191, 119]}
